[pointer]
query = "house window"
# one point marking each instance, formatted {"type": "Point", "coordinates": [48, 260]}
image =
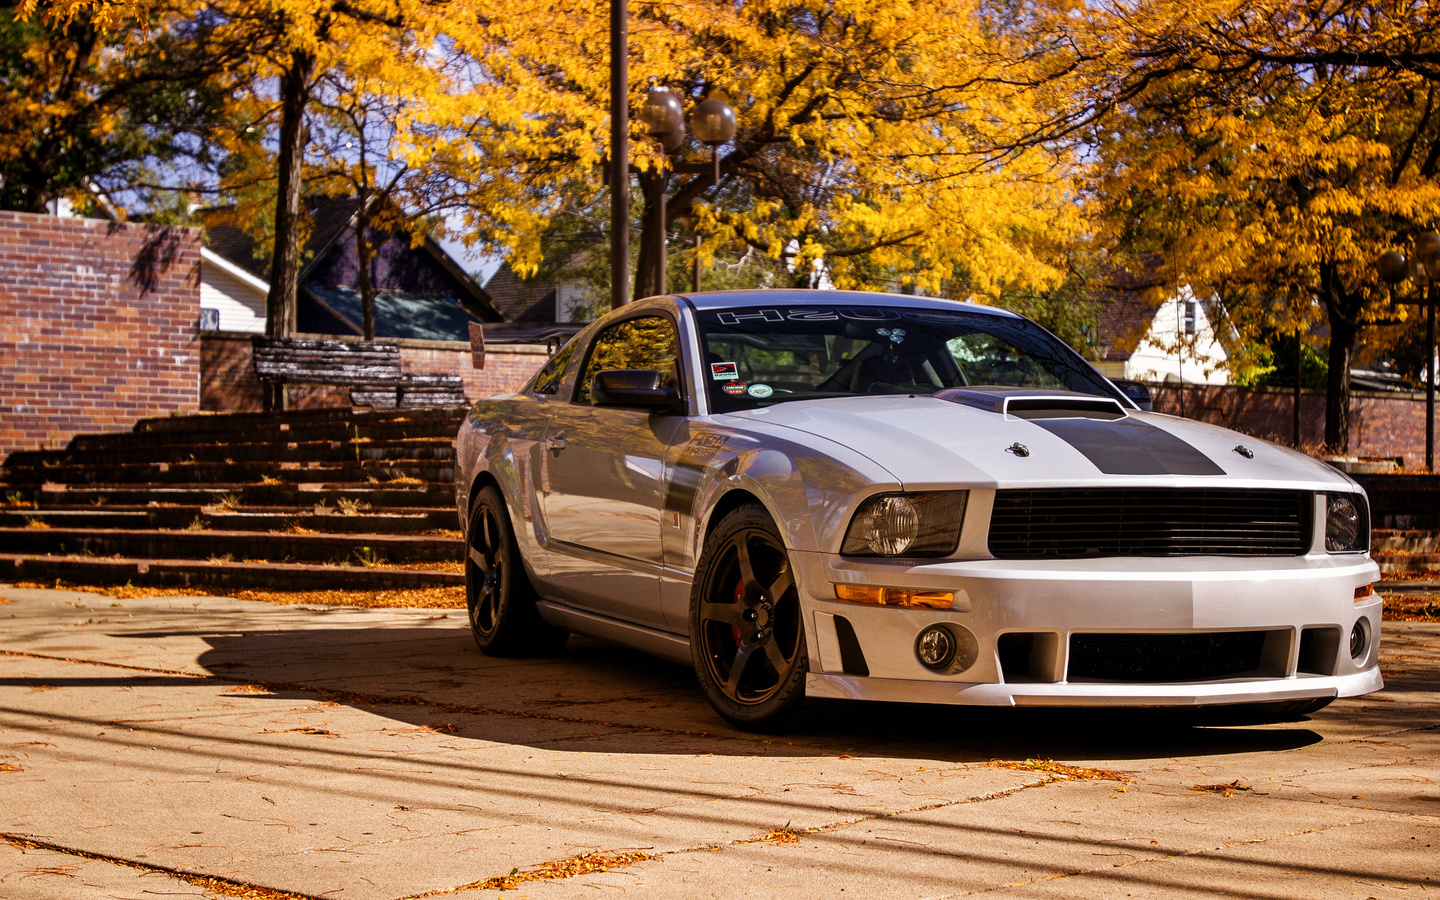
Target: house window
{"type": "Point", "coordinates": [1189, 315]}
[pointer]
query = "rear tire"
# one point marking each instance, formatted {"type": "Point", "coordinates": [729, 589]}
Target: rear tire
{"type": "Point", "coordinates": [498, 594]}
{"type": "Point", "coordinates": [747, 636]}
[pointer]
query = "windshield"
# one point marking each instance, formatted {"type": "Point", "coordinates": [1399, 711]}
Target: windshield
{"type": "Point", "coordinates": [759, 356]}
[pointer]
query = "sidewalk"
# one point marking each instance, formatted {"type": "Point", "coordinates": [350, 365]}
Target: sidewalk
{"type": "Point", "coordinates": [372, 753]}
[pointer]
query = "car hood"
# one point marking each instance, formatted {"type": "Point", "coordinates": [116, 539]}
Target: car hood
{"type": "Point", "coordinates": [927, 442]}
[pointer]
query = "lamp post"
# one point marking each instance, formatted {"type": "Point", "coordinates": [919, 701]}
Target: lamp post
{"type": "Point", "coordinates": [619, 153]}
{"type": "Point", "coordinates": [663, 117]}
{"type": "Point", "coordinates": [1422, 267]}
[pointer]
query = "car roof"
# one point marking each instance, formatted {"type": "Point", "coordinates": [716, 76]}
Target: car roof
{"type": "Point", "coordinates": [732, 299]}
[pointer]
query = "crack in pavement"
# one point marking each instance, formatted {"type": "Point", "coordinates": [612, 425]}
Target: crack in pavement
{"type": "Point", "coordinates": [228, 887]}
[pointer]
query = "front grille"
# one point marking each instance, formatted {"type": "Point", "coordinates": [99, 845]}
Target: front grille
{"type": "Point", "coordinates": [1075, 524]}
{"type": "Point", "coordinates": [1164, 657]}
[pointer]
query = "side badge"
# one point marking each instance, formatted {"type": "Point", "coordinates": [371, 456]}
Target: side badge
{"type": "Point", "coordinates": [1018, 449]}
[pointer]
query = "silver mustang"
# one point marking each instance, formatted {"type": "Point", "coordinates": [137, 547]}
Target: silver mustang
{"type": "Point", "coordinates": [878, 497]}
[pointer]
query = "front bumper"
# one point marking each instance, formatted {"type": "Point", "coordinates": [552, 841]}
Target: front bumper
{"type": "Point", "coordinates": [1304, 606]}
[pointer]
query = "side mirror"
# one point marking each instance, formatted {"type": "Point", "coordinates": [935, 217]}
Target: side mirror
{"type": "Point", "coordinates": [1135, 391]}
{"type": "Point", "coordinates": [636, 388]}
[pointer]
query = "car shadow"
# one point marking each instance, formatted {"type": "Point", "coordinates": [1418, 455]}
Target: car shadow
{"type": "Point", "coordinates": [603, 698]}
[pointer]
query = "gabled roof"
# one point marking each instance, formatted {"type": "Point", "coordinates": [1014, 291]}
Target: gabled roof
{"type": "Point", "coordinates": [431, 317]}
{"type": "Point", "coordinates": [521, 300]}
{"type": "Point", "coordinates": [1124, 320]}
{"type": "Point", "coordinates": [331, 220]}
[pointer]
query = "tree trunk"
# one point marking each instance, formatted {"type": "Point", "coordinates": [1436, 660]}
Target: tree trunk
{"type": "Point", "coordinates": [362, 279]}
{"type": "Point", "coordinates": [1342, 310]}
{"type": "Point", "coordinates": [650, 269]}
{"type": "Point", "coordinates": [1337, 386]}
{"type": "Point", "coordinates": [285, 263]}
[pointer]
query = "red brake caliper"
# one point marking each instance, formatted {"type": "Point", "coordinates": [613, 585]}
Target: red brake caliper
{"type": "Point", "coordinates": [739, 598]}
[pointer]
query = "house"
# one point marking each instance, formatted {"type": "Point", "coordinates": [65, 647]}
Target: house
{"type": "Point", "coordinates": [1174, 342]}
{"type": "Point", "coordinates": [422, 292]}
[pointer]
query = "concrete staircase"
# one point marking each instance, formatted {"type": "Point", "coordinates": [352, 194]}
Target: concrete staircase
{"type": "Point", "coordinates": [316, 500]}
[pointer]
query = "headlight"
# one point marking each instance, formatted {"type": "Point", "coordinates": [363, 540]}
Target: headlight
{"type": "Point", "coordinates": [1347, 523]}
{"type": "Point", "coordinates": [925, 524]}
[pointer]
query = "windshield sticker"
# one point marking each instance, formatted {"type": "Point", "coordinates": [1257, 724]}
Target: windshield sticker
{"type": "Point", "coordinates": [760, 391]}
{"type": "Point", "coordinates": [763, 315]}
{"type": "Point", "coordinates": [724, 371]}
{"type": "Point", "coordinates": [733, 387]}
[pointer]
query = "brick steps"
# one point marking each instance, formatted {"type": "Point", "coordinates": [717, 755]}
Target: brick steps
{"type": "Point", "coordinates": [277, 518]}
{"type": "Point", "coordinates": [244, 500]}
{"type": "Point", "coordinates": [299, 433]}
{"type": "Point", "coordinates": [304, 494]}
{"type": "Point", "coordinates": [235, 576]}
{"type": "Point", "coordinates": [249, 545]}
{"type": "Point", "coordinates": [274, 452]}
{"type": "Point", "coordinates": [431, 470]}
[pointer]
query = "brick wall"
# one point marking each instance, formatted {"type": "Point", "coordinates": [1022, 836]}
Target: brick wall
{"type": "Point", "coordinates": [98, 326]}
{"type": "Point", "coordinates": [228, 382]}
{"type": "Point", "coordinates": [1381, 424]}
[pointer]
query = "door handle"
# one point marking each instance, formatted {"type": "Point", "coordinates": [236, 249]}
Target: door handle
{"type": "Point", "coordinates": [556, 444]}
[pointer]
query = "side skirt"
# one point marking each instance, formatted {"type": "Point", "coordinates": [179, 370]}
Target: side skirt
{"type": "Point", "coordinates": [673, 647]}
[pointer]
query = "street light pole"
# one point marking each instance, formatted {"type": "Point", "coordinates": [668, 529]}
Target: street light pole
{"type": "Point", "coordinates": [619, 153]}
{"type": "Point", "coordinates": [1421, 268]}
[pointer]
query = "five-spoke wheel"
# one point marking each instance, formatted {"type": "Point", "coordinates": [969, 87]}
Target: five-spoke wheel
{"type": "Point", "coordinates": [498, 594]}
{"type": "Point", "coordinates": [747, 639]}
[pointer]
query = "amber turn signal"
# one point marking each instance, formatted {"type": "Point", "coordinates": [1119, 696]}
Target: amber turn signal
{"type": "Point", "coordinates": [1365, 592]}
{"type": "Point", "coordinates": [883, 596]}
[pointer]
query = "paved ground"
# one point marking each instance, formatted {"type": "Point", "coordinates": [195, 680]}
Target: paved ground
{"type": "Point", "coordinates": [346, 753]}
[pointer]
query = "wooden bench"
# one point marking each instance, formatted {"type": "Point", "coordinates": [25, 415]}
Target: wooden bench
{"type": "Point", "coordinates": [370, 368]}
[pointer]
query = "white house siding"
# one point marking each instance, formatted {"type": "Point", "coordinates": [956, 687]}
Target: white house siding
{"type": "Point", "coordinates": [241, 305]}
{"type": "Point", "coordinates": [1156, 358]}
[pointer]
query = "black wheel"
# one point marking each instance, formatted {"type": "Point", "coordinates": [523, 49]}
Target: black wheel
{"type": "Point", "coordinates": [747, 639]}
{"type": "Point", "coordinates": [501, 601]}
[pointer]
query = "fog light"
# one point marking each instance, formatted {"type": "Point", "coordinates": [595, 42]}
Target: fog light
{"type": "Point", "coordinates": [1358, 641]}
{"type": "Point", "coordinates": [936, 648]}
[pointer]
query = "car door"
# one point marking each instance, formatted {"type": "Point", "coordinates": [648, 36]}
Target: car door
{"type": "Point", "coordinates": [604, 479]}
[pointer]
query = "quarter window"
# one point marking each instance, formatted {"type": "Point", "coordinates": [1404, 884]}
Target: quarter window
{"type": "Point", "coordinates": [645, 342]}
{"type": "Point", "coordinates": [547, 380]}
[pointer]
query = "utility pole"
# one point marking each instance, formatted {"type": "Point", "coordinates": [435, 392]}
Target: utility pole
{"type": "Point", "coordinates": [619, 153]}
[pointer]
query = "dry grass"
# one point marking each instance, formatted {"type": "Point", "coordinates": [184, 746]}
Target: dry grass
{"type": "Point", "coordinates": [297, 528]}
{"type": "Point", "coordinates": [36, 522]}
{"type": "Point", "coordinates": [199, 524]}
{"type": "Point", "coordinates": [402, 478]}
{"type": "Point", "coordinates": [270, 479]}
{"type": "Point", "coordinates": [349, 506]}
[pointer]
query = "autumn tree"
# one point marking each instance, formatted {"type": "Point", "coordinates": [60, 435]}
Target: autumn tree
{"type": "Point", "coordinates": [86, 108]}
{"type": "Point", "coordinates": [866, 135]}
{"type": "Point", "coordinates": [1265, 149]}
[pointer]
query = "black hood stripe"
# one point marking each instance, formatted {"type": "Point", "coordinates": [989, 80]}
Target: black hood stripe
{"type": "Point", "coordinates": [1130, 447]}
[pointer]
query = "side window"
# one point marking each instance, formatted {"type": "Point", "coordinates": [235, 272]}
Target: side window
{"type": "Point", "coordinates": [645, 342]}
{"type": "Point", "coordinates": [547, 380]}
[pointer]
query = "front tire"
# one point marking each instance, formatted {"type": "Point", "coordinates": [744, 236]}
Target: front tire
{"type": "Point", "coordinates": [747, 636]}
{"type": "Point", "coordinates": [498, 593]}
